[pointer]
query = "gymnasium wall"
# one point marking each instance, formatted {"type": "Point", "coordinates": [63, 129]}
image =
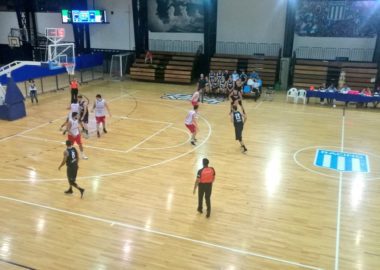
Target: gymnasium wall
{"type": "Point", "coordinates": [328, 48]}
{"type": "Point", "coordinates": [53, 20]}
{"type": "Point", "coordinates": [119, 33]}
{"type": "Point", "coordinates": [250, 21]}
{"type": "Point", "coordinates": [8, 20]}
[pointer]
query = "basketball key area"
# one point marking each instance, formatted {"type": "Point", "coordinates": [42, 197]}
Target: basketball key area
{"type": "Point", "coordinates": [139, 178]}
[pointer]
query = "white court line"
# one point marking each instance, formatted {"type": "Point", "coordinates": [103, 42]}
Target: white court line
{"type": "Point", "coordinates": [140, 119]}
{"type": "Point", "coordinates": [50, 122]}
{"type": "Point", "coordinates": [130, 170]}
{"type": "Point", "coordinates": [173, 146]}
{"type": "Point", "coordinates": [62, 142]}
{"type": "Point", "coordinates": [31, 129]}
{"type": "Point", "coordinates": [148, 138]}
{"type": "Point", "coordinates": [164, 234]}
{"type": "Point", "coordinates": [257, 105]}
{"type": "Point", "coordinates": [338, 214]}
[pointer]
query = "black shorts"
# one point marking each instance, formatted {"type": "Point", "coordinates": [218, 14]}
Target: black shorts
{"type": "Point", "coordinates": [85, 118]}
{"type": "Point", "coordinates": [72, 173]}
{"type": "Point", "coordinates": [239, 131]}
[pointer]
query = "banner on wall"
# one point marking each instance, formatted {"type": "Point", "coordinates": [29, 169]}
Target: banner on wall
{"type": "Point", "coordinates": [337, 18]}
{"type": "Point", "coordinates": [179, 16]}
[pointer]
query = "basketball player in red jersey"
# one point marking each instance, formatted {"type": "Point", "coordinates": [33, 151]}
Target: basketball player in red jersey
{"type": "Point", "coordinates": [195, 98]}
{"type": "Point", "coordinates": [74, 107]}
{"type": "Point", "coordinates": [100, 107]}
{"type": "Point", "coordinates": [191, 123]}
{"type": "Point", "coordinates": [74, 133]}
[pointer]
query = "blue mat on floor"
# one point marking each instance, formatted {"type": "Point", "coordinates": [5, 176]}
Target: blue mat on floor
{"type": "Point", "coordinates": [188, 97]}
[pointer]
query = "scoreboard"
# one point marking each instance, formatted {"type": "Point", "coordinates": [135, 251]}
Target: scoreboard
{"type": "Point", "coordinates": [84, 16]}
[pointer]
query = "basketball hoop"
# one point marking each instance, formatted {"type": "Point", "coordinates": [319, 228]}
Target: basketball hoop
{"type": "Point", "coordinates": [70, 68]}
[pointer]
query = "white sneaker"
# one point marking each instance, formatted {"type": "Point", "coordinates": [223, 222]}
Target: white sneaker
{"type": "Point", "coordinates": [84, 157]}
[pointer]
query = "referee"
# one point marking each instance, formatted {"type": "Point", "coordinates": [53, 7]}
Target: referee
{"type": "Point", "coordinates": [238, 119]}
{"type": "Point", "coordinates": [70, 157]}
{"type": "Point", "coordinates": [205, 178]}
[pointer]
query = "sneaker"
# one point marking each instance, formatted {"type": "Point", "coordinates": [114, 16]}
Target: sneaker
{"type": "Point", "coordinates": [64, 132]}
{"type": "Point", "coordinates": [98, 134]}
{"type": "Point", "coordinates": [208, 214]}
{"type": "Point", "coordinates": [193, 143]}
{"type": "Point", "coordinates": [81, 192]}
{"type": "Point", "coordinates": [199, 210]}
{"type": "Point", "coordinates": [84, 157]}
{"type": "Point", "coordinates": [104, 130]}
{"type": "Point", "coordinates": [69, 191]}
{"type": "Point", "coordinates": [244, 149]}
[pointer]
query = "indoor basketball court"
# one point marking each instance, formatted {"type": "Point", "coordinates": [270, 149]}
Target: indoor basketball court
{"type": "Point", "coordinates": [304, 195]}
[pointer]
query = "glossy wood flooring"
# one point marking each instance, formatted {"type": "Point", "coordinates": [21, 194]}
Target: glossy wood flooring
{"type": "Point", "coordinates": [271, 208]}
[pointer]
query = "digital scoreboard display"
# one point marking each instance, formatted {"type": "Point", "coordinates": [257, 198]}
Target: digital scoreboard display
{"type": "Point", "coordinates": [83, 16]}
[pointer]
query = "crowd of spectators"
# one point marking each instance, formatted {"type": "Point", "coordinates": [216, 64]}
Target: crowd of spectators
{"type": "Point", "coordinates": [222, 83]}
{"type": "Point", "coordinates": [336, 18]}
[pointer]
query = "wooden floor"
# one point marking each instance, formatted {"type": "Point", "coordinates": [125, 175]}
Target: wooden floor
{"type": "Point", "coordinates": [271, 208]}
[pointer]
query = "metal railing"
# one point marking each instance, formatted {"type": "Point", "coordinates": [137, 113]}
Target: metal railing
{"type": "Point", "coordinates": [353, 54]}
{"type": "Point", "coordinates": [61, 81]}
{"type": "Point", "coordinates": [175, 45]}
{"type": "Point", "coordinates": [247, 48]}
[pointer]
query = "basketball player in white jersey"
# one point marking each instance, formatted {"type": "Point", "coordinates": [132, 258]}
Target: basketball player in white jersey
{"type": "Point", "coordinates": [100, 107]}
{"type": "Point", "coordinates": [195, 98]}
{"type": "Point", "coordinates": [191, 123]}
{"type": "Point", "coordinates": [74, 133]}
{"type": "Point", "coordinates": [74, 108]}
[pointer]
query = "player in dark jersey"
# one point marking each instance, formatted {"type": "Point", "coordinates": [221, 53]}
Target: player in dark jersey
{"type": "Point", "coordinates": [214, 86]}
{"type": "Point", "coordinates": [211, 75]}
{"type": "Point", "coordinates": [238, 119]}
{"type": "Point", "coordinates": [236, 97]}
{"type": "Point", "coordinates": [71, 159]}
{"type": "Point", "coordinates": [219, 75]}
{"type": "Point", "coordinates": [83, 112]}
{"type": "Point", "coordinates": [229, 85]}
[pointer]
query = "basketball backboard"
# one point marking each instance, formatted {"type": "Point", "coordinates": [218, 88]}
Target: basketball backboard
{"type": "Point", "coordinates": [62, 55]}
{"type": "Point", "coordinates": [55, 34]}
{"type": "Point", "coordinates": [14, 42]}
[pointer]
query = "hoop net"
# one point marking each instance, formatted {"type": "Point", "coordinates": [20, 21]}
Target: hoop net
{"type": "Point", "coordinates": [70, 68]}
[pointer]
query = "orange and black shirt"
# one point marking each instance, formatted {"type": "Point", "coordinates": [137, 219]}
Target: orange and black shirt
{"type": "Point", "coordinates": [206, 175]}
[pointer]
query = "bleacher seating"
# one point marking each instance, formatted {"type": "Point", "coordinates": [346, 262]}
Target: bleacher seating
{"type": "Point", "coordinates": [316, 72]}
{"type": "Point", "coordinates": [266, 66]}
{"type": "Point", "coordinates": [360, 75]}
{"type": "Point", "coordinates": [169, 67]}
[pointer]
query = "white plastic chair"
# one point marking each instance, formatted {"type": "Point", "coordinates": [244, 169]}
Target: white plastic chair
{"type": "Point", "coordinates": [301, 95]}
{"type": "Point", "coordinates": [292, 93]}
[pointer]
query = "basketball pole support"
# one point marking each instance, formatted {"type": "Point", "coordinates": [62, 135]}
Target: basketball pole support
{"type": "Point", "coordinates": [7, 69]}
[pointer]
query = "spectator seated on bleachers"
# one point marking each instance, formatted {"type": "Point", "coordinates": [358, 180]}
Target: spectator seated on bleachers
{"type": "Point", "coordinates": [226, 75]}
{"type": "Point", "coordinates": [211, 75]}
{"type": "Point", "coordinates": [254, 75]}
{"type": "Point", "coordinates": [344, 90]}
{"type": "Point", "coordinates": [252, 89]}
{"type": "Point", "coordinates": [243, 77]}
{"type": "Point", "coordinates": [322, 87]}
{"type": "Point", "coordinates": [366, 92]}
{"type": "Point", "coordinates": [376, 92]}
{"type": "Point", "coordinates": [214, 87]}
{"type": "Point", "coordinates": [222, 87]}
{"type": "Point", "coordinates": [219, 75]}
{"type": "Point", "coordinates": [148, 57]}
{"type": "Point", "coordinates": [235, 76]}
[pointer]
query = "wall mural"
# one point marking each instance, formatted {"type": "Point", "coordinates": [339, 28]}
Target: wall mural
{"type": "Point", "coordinates": [337, 18]}
{"type": "Point", "coordinates": [181, 16]}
